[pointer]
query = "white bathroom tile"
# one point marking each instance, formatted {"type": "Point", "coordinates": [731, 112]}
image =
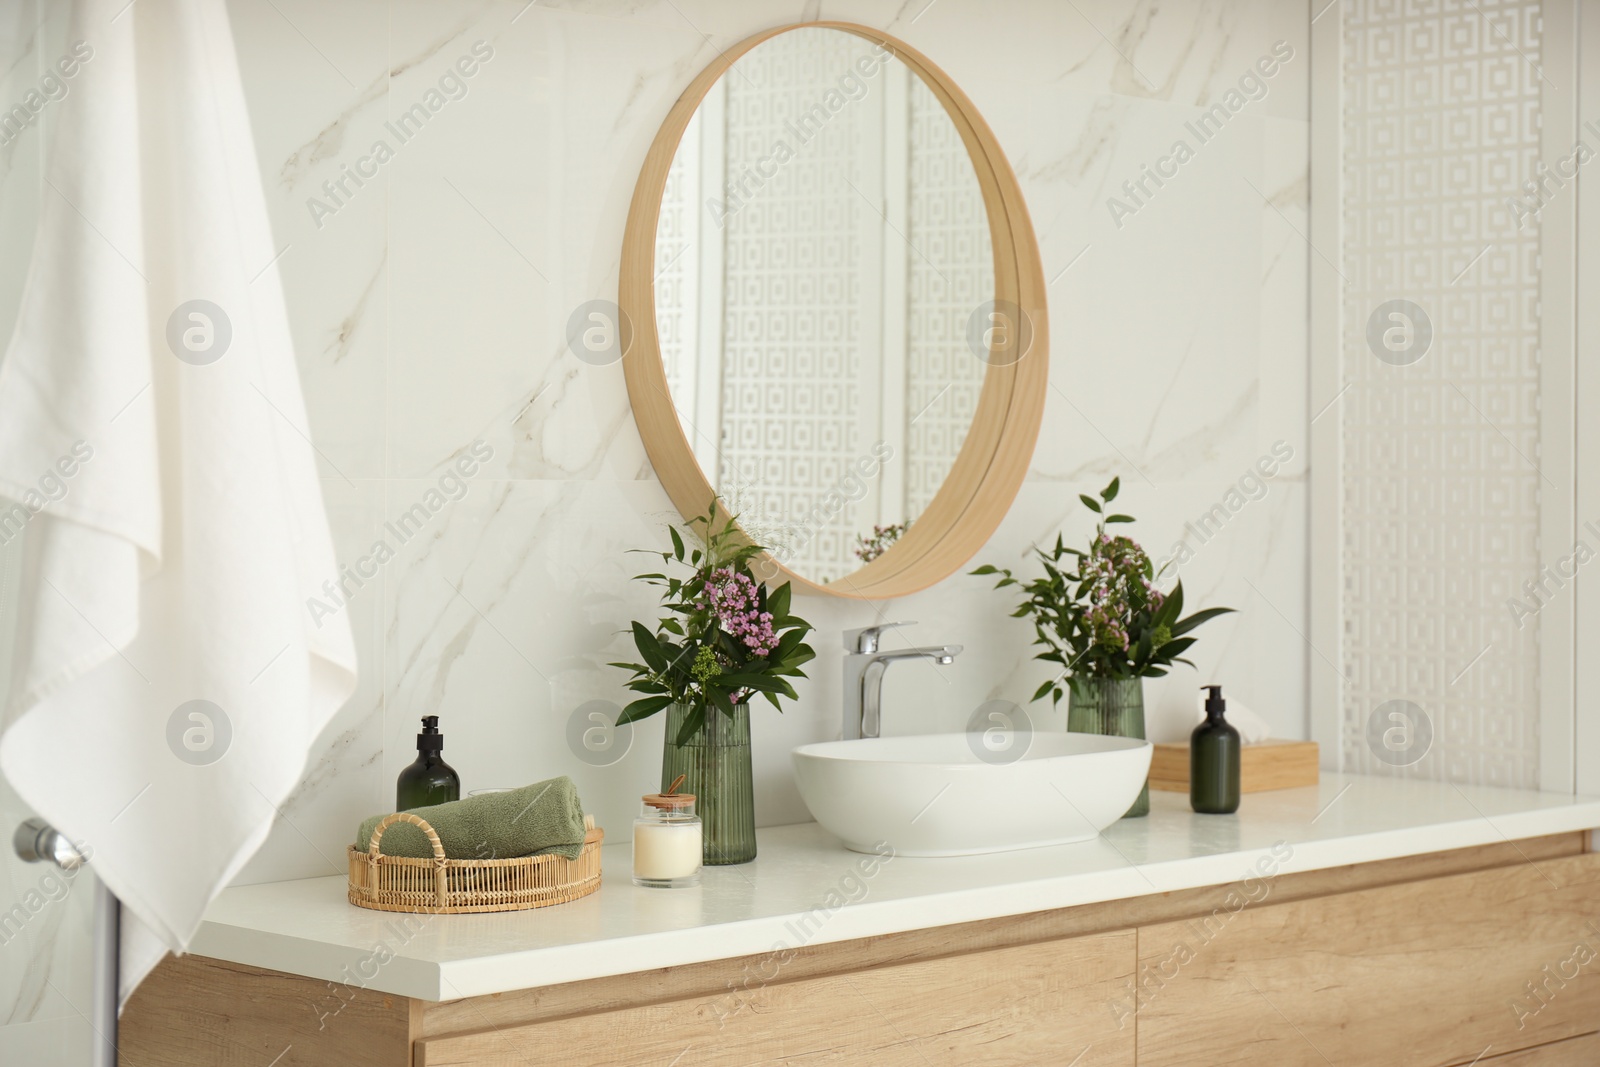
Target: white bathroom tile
{"type": "Point", "coordinates": [507, 216]}
{"type": "Point", "coordinates": [329, 49]}
{"type": "Point", "coordinates": [723, 21]}
{"type": "Point", "coordinates": [1285, 263]}
{"type": "Point", "coordinates": [1187, 54]}
{"type": "Point", "coordinates": [1275, 671]}
{"type": "Point", "coordinates": [1288, 21]}
{"type": "Point", "coordinates": [1154, 321]}
{"type": "Point", "coordinates": [316, 81]}
{"type": "Point", "coordinates": [336, 287]}
{"type": "Point", "coordinates": [1250, 560]}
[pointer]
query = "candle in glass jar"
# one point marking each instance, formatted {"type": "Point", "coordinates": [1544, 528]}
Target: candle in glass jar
{"type": "Point", "coordinates": [667, 843]}
{"type": "Point", "coordinates": [667, 849]}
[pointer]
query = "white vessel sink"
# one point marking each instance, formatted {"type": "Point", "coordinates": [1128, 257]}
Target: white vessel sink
{"type": "Point", "coordinates": [931, 795]}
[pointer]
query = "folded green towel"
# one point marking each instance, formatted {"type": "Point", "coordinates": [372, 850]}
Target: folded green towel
{"type": "Point", "coordinates": [545, 817]}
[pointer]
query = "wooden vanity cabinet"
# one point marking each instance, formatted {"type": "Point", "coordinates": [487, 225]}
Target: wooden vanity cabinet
{"type": "Point", "coordinates": [1444, 971]}
{"type": "Point", "coordinates": [1484, 956]}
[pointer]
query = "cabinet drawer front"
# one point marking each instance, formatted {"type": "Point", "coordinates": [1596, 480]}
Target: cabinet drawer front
{"type": "Point", "coordinates": [1032, 1004]}
{"type": "Point", "coordinates": [1421, 973]}
{"type": "Point", "coordinates": [1575, 1052]}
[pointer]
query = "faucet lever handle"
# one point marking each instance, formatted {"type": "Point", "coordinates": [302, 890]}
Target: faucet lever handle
{"type": "Point", "coordinates": [865, 640]}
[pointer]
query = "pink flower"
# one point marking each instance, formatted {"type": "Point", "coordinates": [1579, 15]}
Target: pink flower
{"type": "Point", "coordinates": [1111, 571]}
{"type": "Point", "coordinates": [736, 601]}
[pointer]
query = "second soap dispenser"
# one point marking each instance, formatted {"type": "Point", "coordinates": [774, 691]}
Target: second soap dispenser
{"type": "Point", "coordinates": [430, 780]}
{"type": "Point", "coordinates": [1214, 760]}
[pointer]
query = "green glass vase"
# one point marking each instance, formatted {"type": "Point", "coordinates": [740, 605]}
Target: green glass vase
{"type": "Point", "coordinates": [715, 763]}
{"type": "Point", "coordinates": [1111, 706]}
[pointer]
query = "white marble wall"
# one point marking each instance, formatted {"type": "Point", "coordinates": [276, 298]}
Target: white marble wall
{"type": "Point", "coordinates": [430, 310]}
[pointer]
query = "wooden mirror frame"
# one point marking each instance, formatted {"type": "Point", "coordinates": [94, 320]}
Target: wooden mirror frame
{"type": "Point", "coordinates": [987, 472]}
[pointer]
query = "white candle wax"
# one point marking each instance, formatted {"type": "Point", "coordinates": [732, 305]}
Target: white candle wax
{"type": "Point", "coordinates": [666, 849]}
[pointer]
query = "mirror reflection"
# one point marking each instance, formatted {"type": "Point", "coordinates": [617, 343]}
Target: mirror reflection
{"type": "Point", "coordinates": [821, 254]}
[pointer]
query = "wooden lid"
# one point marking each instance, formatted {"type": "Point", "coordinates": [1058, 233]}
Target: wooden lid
{"type": "Point", "coordinates": [671, 800]}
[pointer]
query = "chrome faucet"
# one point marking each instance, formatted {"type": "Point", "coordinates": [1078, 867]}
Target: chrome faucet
{"type": "Point", "coordinates": [864, 665]}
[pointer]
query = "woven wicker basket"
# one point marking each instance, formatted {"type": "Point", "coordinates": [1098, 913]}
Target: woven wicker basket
{"type": "Point", "coordinates": [442, 886]}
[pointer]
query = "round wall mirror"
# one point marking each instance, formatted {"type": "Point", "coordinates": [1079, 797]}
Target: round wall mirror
{"type": "Point", "coordinates": [836, 308]}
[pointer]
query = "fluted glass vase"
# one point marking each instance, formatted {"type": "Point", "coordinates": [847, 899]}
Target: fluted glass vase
{"type": "Point", "coordinates": [1110, 706]}
{"type": "Point", "coordinates": [715, 763]}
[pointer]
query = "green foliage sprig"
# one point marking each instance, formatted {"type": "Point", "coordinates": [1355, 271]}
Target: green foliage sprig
{"type": "Point", "coordinates": [723, 638]}
{"type": "Point", "coordinates": [1099, 614]}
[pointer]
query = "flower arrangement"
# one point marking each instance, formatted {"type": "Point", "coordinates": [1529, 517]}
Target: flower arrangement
{"type": "Point", "coordinates": [1101, 614]}
{"type": "Point", "coordinates": [723, 637]}
{"type": "Point", "coordinates": [870, 548]}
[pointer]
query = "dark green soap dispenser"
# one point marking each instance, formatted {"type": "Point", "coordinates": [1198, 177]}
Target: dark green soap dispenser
{"type": "Point", "coordinates": [430, 780]}
{"type": "Point", "coordinates": [1214, 760]}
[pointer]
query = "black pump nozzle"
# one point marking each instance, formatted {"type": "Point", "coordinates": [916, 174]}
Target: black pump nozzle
{"type": "Point", "coordinates": [430, 739]}
{"type": "Point", "coordinates": [1215, 705]}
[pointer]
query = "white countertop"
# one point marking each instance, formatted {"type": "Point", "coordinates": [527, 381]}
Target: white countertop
{"type": "Point", "coordinates": [308, 928]}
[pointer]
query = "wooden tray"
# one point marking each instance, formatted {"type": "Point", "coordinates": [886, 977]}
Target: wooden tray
{"type": "Point", "coordinates": [441, 886]}
{"type": "Point", "coordinates": [1271, 764]}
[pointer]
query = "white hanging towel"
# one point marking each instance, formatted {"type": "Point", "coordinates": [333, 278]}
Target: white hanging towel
{"type": "Point", "coordinates": [169, 680]}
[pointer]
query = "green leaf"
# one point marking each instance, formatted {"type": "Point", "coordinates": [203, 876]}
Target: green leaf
{"type": "Point", "coordinates": [987, 568]}
{"type": "Point", "coordinates": [1120, 518]}
{"type": "Point", "coordinates": [1043, 689]}
{"type": "Point", "coordinates": [778, 601]}
{"type": "Point", "coordinates": [1109, 493]}
{"type": "Point", "coordinates": [801, 654]}
{"type": "Point", "coordinates": [1089, 502]}
{"type": "Point", "coordinates": [1185, 625]}
{"type": "Point", "coordinates": [787, 643]}
{"type": "Point", "coordinates": [640, 709]}
{"type": "Point", "coordinates": [649, 647]}
{"type": "Point", "coordinates": [1174, 649]}
{"type": "Point", "coordinates": [759, 682]}
{"type": "Point", "coordinates": [692, 725]}
{"type": "Point", "coordinates": [1172, 607]}
{"type": "Point", "coordinates": [677, 543]}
